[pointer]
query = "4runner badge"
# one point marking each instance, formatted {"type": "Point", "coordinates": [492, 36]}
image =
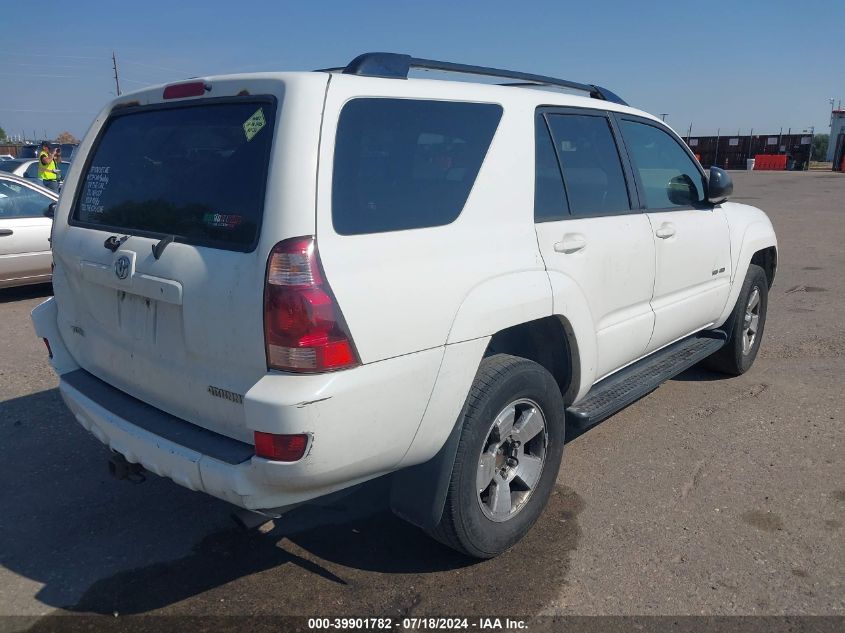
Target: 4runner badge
{"type": "Point", "coordinates": [231, 396]}
{"type": "Point", "coordinates": [121, 267]}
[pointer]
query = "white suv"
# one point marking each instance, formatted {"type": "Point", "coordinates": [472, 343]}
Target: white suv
{"type": "Point", "coordinates": [271, 287]}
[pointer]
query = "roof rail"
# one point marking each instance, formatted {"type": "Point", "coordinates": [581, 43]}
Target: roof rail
{"type": "Point", "coordinates": [397, 66]}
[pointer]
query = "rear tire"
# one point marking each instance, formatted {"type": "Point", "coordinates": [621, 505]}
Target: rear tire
{"type": "Point", "coordinates": [508, 457]}
{"type": "Point", "coordinates": [746, 322]}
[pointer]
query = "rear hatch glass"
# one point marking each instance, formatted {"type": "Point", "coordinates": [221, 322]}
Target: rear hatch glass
{"type": "Point", "coordinates": [193, 171]}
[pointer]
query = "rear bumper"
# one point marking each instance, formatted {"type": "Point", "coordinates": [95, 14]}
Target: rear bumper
{"type": "Point", "coordinates": [167, 446]}
{"type": "Point", "coordinates": [361, 422]}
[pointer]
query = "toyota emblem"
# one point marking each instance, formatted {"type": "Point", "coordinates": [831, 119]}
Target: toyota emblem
{"type": "Point", "coordinates": [121, 267]}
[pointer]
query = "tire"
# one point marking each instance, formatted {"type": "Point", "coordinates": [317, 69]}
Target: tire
{"type": "Point", "coordinates": [483, 519]}
{"type": "Point", "coordinates": [739, 352]}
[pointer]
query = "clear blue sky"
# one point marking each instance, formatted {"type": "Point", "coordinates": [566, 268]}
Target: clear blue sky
{"type": "Point", "coordinates": [734, 64]}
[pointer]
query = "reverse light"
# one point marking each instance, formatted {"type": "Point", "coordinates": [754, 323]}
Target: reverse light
{"type": "Point", "coordinates": [189, 89]}
{"type": "Point", "coordinates": [304, 330]}
{"type": "Point", "coordinates": [280, 448]}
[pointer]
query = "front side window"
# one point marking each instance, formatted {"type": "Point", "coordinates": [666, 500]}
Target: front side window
{"type": "Point", "coordinates": [592, 169]}
{"type": "Point", "coordinates": [406, 164]}
{"type": "Point", "coordinates": [18, 201]}
{"type": "Point", "coordinates": [669, 177]}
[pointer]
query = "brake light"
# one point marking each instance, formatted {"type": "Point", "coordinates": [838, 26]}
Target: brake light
{"type": "Point", "coordinates": [280, 448]}
{"type": "Point", "coordinates": [304, 330]}
{"type": "Point", "coordinates": [190, 89]}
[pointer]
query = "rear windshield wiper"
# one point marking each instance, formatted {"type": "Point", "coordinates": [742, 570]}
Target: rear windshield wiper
{"type": "Point", "coordinates": [158, 248]}
{"type": "Point", "coordinates": [113, 242]}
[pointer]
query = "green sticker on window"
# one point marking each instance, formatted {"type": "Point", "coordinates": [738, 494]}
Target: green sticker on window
{"type": "Point", "coordinates": [253, 124]}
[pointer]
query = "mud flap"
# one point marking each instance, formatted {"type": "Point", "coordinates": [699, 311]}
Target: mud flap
{"type": "Point", "coordinates": [418, 493]}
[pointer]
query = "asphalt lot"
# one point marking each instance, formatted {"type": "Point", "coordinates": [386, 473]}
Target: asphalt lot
{"type": "Point", "coordinates": [709, 496]}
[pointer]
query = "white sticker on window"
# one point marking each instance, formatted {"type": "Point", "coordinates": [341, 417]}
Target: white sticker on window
{"type": "Point", "coordinates": [253, 124]}
{"type": "Point", "coordinates": [95, 183]}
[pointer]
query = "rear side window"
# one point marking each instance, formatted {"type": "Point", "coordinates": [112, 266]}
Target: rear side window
{"type": "Point", "coordinates": [592, 170]}
{"type": "Point", "coordinates": [407, 164]}
{"type": "Point", "coordinates": [197, 172]}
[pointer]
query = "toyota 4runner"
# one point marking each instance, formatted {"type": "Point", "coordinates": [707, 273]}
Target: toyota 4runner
{"type": "Point", "coordinates": [272, 287]}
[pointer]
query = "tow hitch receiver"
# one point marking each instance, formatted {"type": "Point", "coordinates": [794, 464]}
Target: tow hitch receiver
{"type": "Point", "coordinates": [119, 468]}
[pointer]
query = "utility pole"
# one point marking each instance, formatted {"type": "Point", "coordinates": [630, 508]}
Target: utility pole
{"type": "Point", "coordinates": [116, 80]}
{"type": "Point", "coordinates": [810, 151]}
{"type": "Point", "coordinates": [750, 144]}
{"type": "Point", "coordinates": [664, 115]}
{"type": "Point", "coordinates": [716, 157]}
{"type": "Point", "coordinates": [689, 132]}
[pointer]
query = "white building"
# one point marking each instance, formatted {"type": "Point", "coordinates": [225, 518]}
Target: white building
{"type": "Point", "coordinates": [837, 129]}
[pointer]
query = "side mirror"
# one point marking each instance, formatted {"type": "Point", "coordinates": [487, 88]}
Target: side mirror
{"type": "Point", "coordinates": [50, 211]}
{"type": "Point", "coordinates": [720, 186]}
{"type": "Point", "coordinates": [681, 191]}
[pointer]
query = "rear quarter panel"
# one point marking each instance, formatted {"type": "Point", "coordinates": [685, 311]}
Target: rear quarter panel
{"type": "Point", "coordinates": [401, 291]}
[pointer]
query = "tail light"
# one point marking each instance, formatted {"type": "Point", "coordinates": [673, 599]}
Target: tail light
{"type": "Point", "coordinates": [189, 89]}
{"type": "Point", "coordinates": [304, 330]}
{"type": "Point", "coordinates": [280, 448]}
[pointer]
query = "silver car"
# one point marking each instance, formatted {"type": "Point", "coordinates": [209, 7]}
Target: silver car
{"type": "Point", "coordinates": [28, 168]}
{"type": "Point", "coordinates": [25, 222]}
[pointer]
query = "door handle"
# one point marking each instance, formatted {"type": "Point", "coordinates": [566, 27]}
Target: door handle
{"type": "Point", "coordinates": [6, 231]}
{"type": "Point", "coordinates": [572, 243]}
{"type": "Point", "coordinates": [666, 230]}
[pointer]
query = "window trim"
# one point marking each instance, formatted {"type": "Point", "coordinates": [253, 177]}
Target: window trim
{"type": "Point", "coordinates": [542, 112]}
{"type": "Point", "coordinates": [540, 120]}
{"type": "Point", "coordinates": [268, 99]}
{"type": "Point", "coordinates": [620, 117]}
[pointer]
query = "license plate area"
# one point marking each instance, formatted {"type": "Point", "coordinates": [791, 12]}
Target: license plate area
{"type": "Point", "coordinates": [137, 316]}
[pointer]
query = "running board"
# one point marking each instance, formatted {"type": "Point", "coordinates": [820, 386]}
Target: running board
{"type": "Point", "coordinates": [635, 381]}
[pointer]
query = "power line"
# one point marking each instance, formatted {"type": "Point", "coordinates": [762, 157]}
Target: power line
{"type": "Point", "coordinates": [142, 83]}
{"type": "Point", "coordinates": [46, 111]}
{"type": "Point", "coordinates": [42, 64]}
{"type": "Point", "coordinates": [50, 55]}
{"type": "Point", "coordinates": [27, 75]}
{"type": "Point", "coordinates": [175, 70]}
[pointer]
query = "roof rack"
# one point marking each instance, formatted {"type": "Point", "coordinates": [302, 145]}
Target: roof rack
{"type": "Point", "coordinates": [397, 66]}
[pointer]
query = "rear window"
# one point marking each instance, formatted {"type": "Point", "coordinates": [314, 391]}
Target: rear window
{"type": "Point", "coordinates": [10, 165]}
{"type": "Point", "coordinates": [407, 164]}
{"type": "Point", "coordinates": [197, 172]}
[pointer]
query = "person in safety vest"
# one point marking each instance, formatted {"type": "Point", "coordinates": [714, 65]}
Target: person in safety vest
{"type": "Point", "coordinates": [47, 171]}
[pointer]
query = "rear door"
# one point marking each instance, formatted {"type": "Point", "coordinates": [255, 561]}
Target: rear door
{"type": "Point", "coordinates": [24, 232]}
{"type": "Point", "coordinates": [691, 236]}
{"type": "Point", "coordinates": [589, 229]}
{"type": "Point", "coordinates": [176, 326]}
